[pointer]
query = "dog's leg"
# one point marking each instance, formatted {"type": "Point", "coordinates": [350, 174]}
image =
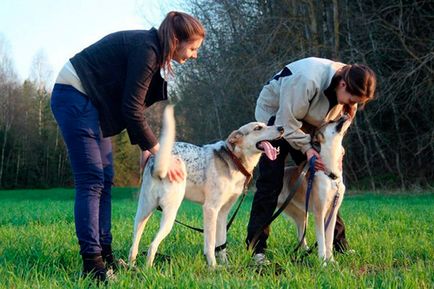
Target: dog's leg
{"type": "Point", "coordinates": [210, 223]}
{"type": "Point", "coordinates": [166, 224]}
{"type": "Point", "coordinates": [322, 196]}
{"type": "Point", "coordinates": [318, 206]}
{"type": "Point", "coordinates": [170, 203]}
{"type": "Point", "coordinates": [320, 235]}
{"type": "Point", "coordinates": [329, 237]}
{"type": "Point", "coordinates": [299, 217]}
{"type": "Point", "coordinates": [144, 212]}
{"type": "Point", "coordinates": [331, 228]}
{"type": "Point", "coordinates": [221, 230]}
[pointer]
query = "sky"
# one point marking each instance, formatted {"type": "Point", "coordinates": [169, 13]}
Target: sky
{"type": "Point", "coordinates": [58, 29]}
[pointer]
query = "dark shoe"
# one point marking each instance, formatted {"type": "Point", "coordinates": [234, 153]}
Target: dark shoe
{"type": "Point", "coordinates": [93, 267]}
{"type": "Point", "coordinates": [108, 258]}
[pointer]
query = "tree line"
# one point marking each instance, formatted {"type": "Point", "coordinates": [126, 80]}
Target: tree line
{"type": "Point", "coordinates": [248, 41]}
{"type": "Point", "coordinates": [390, 145]}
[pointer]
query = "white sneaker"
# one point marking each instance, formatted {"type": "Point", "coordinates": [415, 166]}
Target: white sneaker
{"type": "Point", "coordinates": [222, 257]}
{"type": "Point", "coordinates": [111, 276]}
{"type": "Point", "coordinates": [261, 260]}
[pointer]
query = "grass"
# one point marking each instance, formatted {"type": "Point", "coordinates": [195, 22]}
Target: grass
{"type": "Point", "coordinates": [392, 236]}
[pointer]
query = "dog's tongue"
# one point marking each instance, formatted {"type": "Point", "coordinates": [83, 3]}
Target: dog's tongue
{"type": "Point", "coordinates": [269, 150]}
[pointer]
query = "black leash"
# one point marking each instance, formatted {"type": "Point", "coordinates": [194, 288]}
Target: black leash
{"type": "Point", "coordinates": [306, 207]}
{"type": "Point", "coordinates": [291, 194]}
{"type": "Point", "coordinates": [231, 220]}
{"type": "Point", "coordinates": [326, 224]}
{"type": "Point", "coordinates": [200, 230]}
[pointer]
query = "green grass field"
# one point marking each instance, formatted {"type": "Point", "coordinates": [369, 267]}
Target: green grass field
{"type": "Point", "coordinates": [392, 235]}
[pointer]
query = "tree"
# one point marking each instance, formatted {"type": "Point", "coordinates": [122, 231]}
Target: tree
{"type": "Point", "coordinates": [248, 41]}
{"type": "Point", "coordinates": [40, 74]}
{"type": "Point", "coordinates": [8, 105]}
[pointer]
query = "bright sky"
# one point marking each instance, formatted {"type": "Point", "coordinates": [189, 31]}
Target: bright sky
{"type": "Point", "coordinates": [61, 28]}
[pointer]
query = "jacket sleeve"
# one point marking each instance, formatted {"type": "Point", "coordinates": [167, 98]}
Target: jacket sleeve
{"type": "Point", "coordinates": [295, 94]}
{"type": "Point", "coordinates": [142, 65]}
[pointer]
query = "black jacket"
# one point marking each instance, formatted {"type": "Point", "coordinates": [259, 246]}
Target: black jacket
{"type": "Point", "coordinates": [121, 75]}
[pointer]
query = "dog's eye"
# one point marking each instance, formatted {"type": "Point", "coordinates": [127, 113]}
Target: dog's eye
{"type": "Point", "coordinates": [258, 128]}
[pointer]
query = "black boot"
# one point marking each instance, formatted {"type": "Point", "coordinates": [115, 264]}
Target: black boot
{"type": "Point", "coordinates": [108, 258]}
{"type": "Point", "coordinates": [93, 266]}
{"type": "Point", "coordinates": [341, 246]}
{"type": "Point", "coordinates": [340, 242]}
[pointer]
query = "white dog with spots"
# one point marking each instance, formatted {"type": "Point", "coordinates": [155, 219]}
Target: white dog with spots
{"type": "Point", "coordinates": [213, 179]}
{"type": "Point", "coordinates": [327, 188]}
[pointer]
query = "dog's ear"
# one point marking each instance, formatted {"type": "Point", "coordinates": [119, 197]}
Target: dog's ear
{"type": "Point", "coordinates": [319, 137]}
{"type": "Point", "coordinates": [234, 138]}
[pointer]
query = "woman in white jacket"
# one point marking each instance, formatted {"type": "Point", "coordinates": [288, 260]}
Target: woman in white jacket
{"type": "Point", "coordinates": [302, 96]}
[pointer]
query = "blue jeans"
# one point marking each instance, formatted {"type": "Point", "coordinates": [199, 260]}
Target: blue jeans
{"type": "Point", "coordinates": [91, 159]}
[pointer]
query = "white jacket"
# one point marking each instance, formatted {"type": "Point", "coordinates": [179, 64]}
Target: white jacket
{"type": "Point", "coordinates": [297, 95]}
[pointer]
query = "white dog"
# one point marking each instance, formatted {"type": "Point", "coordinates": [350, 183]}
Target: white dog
{"type": "Point", "coordinates": [326, 186]}
{"type": "Point", "coordinates": [213, 179]}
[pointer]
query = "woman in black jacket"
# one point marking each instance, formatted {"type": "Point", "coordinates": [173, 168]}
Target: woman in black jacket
{"type": "Point", "coordinates": [101, 91]}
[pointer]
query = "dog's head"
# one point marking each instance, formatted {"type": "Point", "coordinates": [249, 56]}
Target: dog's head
{"type": "Point", "coordinates": [333, 131]}
{"type": "Point", "coordinates": [253, 139]}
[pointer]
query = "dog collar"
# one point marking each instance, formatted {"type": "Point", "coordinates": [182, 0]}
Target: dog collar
{"type": "Point", "coordinates": [240, 166]}
{"type": "Point", "coordinates": [331, 175]}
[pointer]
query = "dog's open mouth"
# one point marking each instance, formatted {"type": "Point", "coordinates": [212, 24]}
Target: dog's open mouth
{"type": "Point", "coordinates": [270, 151]}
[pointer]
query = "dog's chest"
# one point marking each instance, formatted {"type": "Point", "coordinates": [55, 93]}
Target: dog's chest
{"type": "Point", "coordinates": [196, 161]}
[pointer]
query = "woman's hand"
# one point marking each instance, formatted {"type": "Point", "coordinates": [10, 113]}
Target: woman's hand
{"type": "Point", "coordinates": [319, 165]}
{"type": "Point", "coordinates": [176, 172]}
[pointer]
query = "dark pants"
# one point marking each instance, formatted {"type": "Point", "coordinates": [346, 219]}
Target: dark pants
{"type": "Point", "coordinates": [268, 186]}
{"type": "Point", "coordinates": [90, 156]}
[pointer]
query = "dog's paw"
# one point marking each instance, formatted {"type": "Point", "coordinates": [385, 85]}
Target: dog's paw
{"type": "Point", "coordinates": [111, 276]}
{"type": "Point", "coordinates": [330, 262]}
{"type": "Point", "coordinates": [122, 264]}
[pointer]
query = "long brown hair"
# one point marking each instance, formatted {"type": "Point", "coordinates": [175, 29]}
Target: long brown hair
{"type": "Point", "coordinates": [360, 80]}
{"type": "Point", "coordinates": [177, 26]}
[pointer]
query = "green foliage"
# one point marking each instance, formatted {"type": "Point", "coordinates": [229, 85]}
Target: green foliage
{"type": "Point", "coordinates": [34, 153]}
{"type": "Point", "coordinates": [126, 161]}
{"type": "Point", "coordinates": [392, 236]}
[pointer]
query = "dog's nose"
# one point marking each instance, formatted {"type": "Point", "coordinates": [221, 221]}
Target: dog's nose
{"type": "Point", "coordinates": [280, 129]}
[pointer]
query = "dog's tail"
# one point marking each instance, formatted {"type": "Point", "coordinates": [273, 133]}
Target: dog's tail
{"type": "Point", "coordinates": [167, 139]}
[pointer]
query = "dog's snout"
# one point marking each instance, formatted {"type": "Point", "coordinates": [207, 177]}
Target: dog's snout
{"type": "Point", "coordinates": [280, 129]}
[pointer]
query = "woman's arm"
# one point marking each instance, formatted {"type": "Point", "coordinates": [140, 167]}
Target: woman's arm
{"type": "Point", "coordinates": [142, 64]}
